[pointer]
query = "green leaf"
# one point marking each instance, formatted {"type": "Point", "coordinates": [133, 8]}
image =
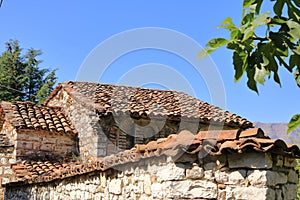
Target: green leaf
{"type": "Point", "coordinates": [282, 62]}
{"type": "Point", "coordinates": [247, 19]}
{"type": "Point", "coordinates": [294, 61]}
{"type": "Point", "coordinates": [294, 29]}
{"type": "Point", "coordinates": [258, 6]}
{"type": "Point", "coordinates": [248, 33]}
{"type": "Point", "coordinates": [251, 83]}
{"type": "Point", "coordinates": [297, 76]}
{"type": "Point", "coordinates": [227, 24]}
{"type": "Point", "coordinates": [235, 34]}
{"type": "Point", "coordinates": [294, 123]}
{"type": "Point", "coordinates": [278, 6]}
{"type": "Point", "coordinates": [260, 75]}
{"type": "Point", "coordinates": [204, 52]}
{"type": "Point", "coordinates": [217, 42]}
{"type": "Point", "coordinates": [296, 50]}
{"type": "Point", "coordinates": [278, 21]}
{"type": "Point", "coordinates": [261, 19]}
{"type": "Point", "coordinates": [238, 63]}
{"type": "Point", "coordinates": [293, 12]}
{"type": "Point", "coordinates": [247, 3]}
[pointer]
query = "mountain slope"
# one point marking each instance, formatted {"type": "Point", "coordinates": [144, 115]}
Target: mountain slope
{"type": "Point", "coordinates": [279, 130]}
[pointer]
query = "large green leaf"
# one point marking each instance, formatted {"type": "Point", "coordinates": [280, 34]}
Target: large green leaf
{"type": "Point", "coordinates": [258, 6]}
{"type": "Point", "coordinates": [261, 19]}
{"type": "Point", "coordinates": [294, 61]}
{"type": "Point", "coordinates": [251, 83]}
{"type": "Point", "coordinates": [294, 123]}
{"type": "Point", "coordinates": [294, 29]}
{"type": "Point", "coordinates": [278, 6]}
{"type": "Point", "coordinates": [238, 63]}
{"type": "Point", "coordinates": [217, 42]}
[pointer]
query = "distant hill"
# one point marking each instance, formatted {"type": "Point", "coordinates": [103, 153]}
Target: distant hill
{"type": "Point", "coordinates": [278, 130]}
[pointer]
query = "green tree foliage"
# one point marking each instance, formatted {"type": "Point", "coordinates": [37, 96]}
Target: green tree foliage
{"type": "Point", "coordinates": [20, 75]}
{"type": "Point", "coordinates": [259, 53]}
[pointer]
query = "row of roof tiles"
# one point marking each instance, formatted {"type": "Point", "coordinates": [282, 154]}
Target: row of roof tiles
{"type": "Point", "coordinates": [31, 116]}
{"type": "Point", "coordinates": [211, 142]}
{"type": "Point", "coordinates": [108, 99]}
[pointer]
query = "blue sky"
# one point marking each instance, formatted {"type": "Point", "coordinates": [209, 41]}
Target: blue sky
{"type": "Point", "coordinates": [67, 31]}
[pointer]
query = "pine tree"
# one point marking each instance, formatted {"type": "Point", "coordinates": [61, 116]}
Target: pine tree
{"type": "Point", "coordinates": [20, 75]}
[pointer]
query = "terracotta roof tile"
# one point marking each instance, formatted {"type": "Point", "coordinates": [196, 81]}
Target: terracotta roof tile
{"type": "Point", "coordinates": [141, 102]}
{"type": "Point", "coordinates": [37, 171]}
{"type": "Point", "coordinates": [32, 116]}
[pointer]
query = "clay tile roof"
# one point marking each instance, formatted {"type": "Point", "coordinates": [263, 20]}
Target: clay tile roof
{"type": "Point", "coordinates": [28, 115]}
{"type": "Point", "coordinates": [222, 141]}
{"type": "Point", "coordinates": [141, 102]}
{"type": "Point", "coordinates": [217, 143]}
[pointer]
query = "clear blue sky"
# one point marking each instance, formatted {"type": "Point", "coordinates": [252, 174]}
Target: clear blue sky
{"type": "Point", "coordinates": [67, 31]}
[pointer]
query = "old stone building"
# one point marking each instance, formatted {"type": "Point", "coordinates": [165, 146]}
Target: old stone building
{"type": "Point", "coordinates": [99, 141]}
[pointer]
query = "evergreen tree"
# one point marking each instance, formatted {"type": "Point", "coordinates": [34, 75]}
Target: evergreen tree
{"type": "Point", "coordinates": [20, 75]}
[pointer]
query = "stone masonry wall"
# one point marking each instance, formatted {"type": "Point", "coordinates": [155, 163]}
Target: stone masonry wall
{"type": "Point", "coordinates": [39, 143]}
{"type": "Point", "coordinates": [7, 158]}
{"type": "Point", "coordinates": [92, 140]}
{"type": "Point", "coordinates": [234, 176]}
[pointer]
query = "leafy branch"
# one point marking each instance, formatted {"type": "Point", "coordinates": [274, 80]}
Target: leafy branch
{"type": "Point", "coordinates": [257, 53]}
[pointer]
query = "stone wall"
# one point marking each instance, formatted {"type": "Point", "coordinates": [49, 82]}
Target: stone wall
{"type": "Point", "coordinates": [7, 157]}
{"type": "Point", "coordinates": [233, 176]}
{"type": "Point", "coordinates": [39, 142]}
{"type": "Point", "coordinates": [92, 140]}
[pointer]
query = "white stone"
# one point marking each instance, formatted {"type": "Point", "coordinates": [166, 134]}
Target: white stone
{"type": "Point", "coordinates": [195, 173]}
{"type": "Point", "coordinates": [203, 189]}
{"type": "Point", "coordinates": [269, 178]}
{"type": "Point", "coordinates": [221, 177]}
{"type": "Point", "coordinates": [237, 177]}
{"type": "Point", "coordinates": [68, 187]}
{"type": "Point", "coordinates": [246, 193]}
{"type": "Point", "coordinates": [92, 188]}
{"type": "Point", "coordinates": [190, 189]}
{"type": "Point", "coordinates": [138, 189]}
{"type": "Point", "coordinates": [115, 186]}
{"type": "Point", "coordinates": [157, 191]}
{"type": "Point", "coordinates": [208, 174]}
{"type": "Point", "coordinates": [170, 172]}
{"type": "Point", "coordinates": [147, 184]}
{"type": "Point", "coordinates": [73, 194]}
{"type": "Point", "coordinates": [5, 180]}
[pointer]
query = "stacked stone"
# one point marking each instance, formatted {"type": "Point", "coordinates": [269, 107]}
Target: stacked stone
{"type": "Point", "coordinates": [231, 176]}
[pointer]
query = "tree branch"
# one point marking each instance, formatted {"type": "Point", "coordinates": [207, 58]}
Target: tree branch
{"type": "Point", "coordinates": [261, 39]}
